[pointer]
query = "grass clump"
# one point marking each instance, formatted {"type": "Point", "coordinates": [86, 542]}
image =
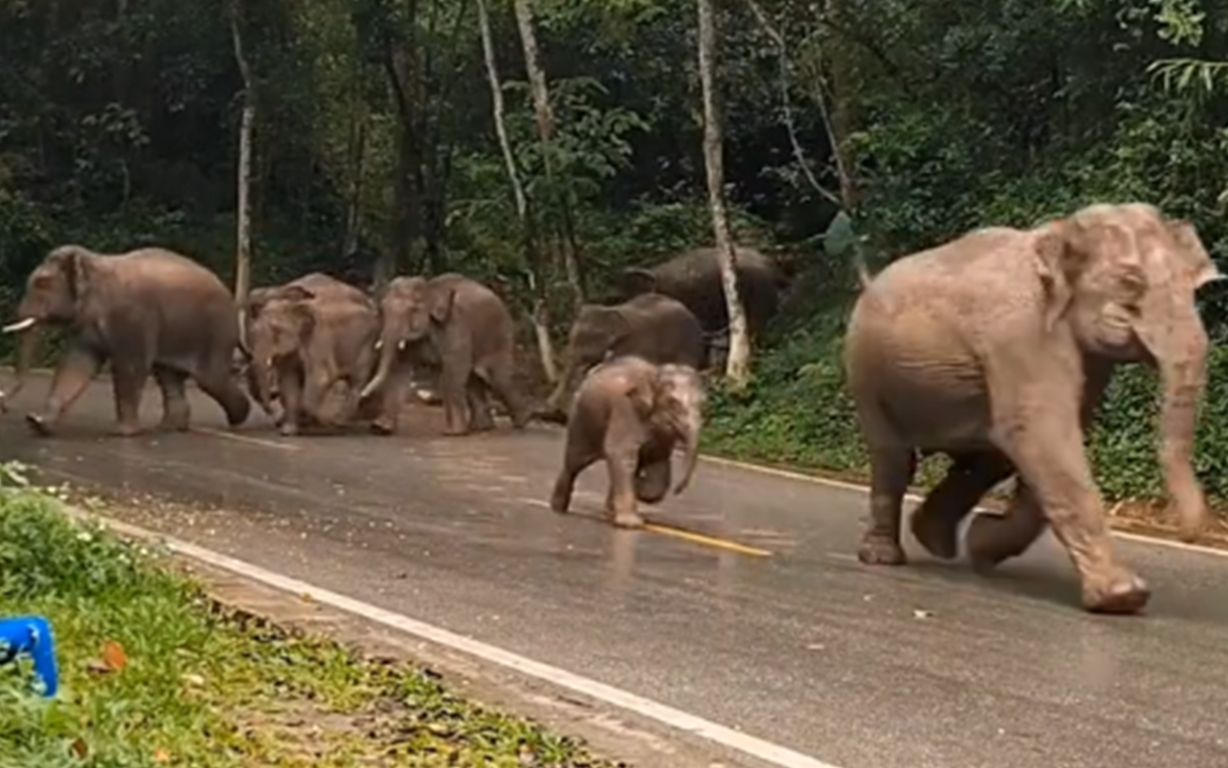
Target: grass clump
{"type": "Point", "coordinates": [155, 674]}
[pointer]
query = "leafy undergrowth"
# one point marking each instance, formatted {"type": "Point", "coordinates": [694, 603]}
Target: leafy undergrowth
{"type": "Point", "coordinates": [155, 674]}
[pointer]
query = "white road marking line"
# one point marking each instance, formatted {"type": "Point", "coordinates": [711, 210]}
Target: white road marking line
{"type": "Point", "coordinates": [847, 486]}
{"type": "Point", "coordinates": [675, 718]}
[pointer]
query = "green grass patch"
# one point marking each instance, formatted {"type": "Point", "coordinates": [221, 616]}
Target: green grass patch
{"type": "Point", "coordinates": [197, 685]}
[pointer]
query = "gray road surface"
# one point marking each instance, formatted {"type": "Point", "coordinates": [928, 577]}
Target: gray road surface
{"type": "Point", "coordinates": [806, 648]}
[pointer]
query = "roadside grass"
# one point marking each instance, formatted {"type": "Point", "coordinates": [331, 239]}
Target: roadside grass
{"type": "Point", "coordinates": [153, 673]}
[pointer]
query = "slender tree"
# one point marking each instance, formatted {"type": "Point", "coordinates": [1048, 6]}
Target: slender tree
{"type": "Point", "coordinates": [541, 325]}
{"type": "Point", "coordinates": [545, 129]}
{"type": "Point", "coordinates": [247, 125]}
{"type": "Point", "coordinates": [737, 365]}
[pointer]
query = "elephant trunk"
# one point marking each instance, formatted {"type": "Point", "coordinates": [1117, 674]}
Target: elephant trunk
{"type": "Point", "coordinates": [690, 451]}
{"type": "Point", "coordinates": [259, 378]}
{"type": "Point", "coordinates": [1183, 372]}
{"type": "Point", "coordinates": [388, 352]}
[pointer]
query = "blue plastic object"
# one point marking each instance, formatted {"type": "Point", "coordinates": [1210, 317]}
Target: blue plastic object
{"type": "Point", "coordinates": [31, 635]}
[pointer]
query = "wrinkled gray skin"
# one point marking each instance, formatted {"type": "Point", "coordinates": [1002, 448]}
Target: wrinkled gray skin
{"type": "Point", "coordinates": [694, 278]}
{"type": "Point", "coordinates": [996, 348]}
{"type": "Point", "coordinates": [459, 326]}
{"type": "Point", "coordinates": [632, 414]}
{"type": "Point", "coordinates": [262, 380]}
{"type": "Point", "coordinates": [652, 326]}
{"type": "Point", "coordinates": [310, 343]}
{"type": "Point", "coordinates": [148, 310]}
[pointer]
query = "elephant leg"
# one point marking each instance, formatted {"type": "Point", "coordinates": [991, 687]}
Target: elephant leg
{"type": "Point", "coordinates": [623, 440]}
{"type": "Point", "coordinates": [891, 469]}
{"type": "Point", "coordinates": [455, 400]}
{"type": "Point", "coordinates": [290, 382]}
{"type": "Point", "coordinates": [936, 522]}
{"type": "Point", "coordinates": [316, 386]}
{"type": "Point", "coordinates": [500, 380]}
{"type": "Point", "coordinates": [72, 376]}
{"type": "Point", "coordinates": [578, 456]}
{"type": "Point", "coordinates": [176, 413]}
{"type": "Point", "coordinates": [652, 476]}
{"type": "Point", "coordinates": [128, 379]}
{"type": "Point", "coordinates": [1046, 444]}
{"type": "Point", "coordinates": [993, 538]}
{"type": "Point", "coordinates": [480, 419]}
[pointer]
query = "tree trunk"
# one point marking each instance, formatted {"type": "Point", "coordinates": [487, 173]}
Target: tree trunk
{"type": "Point", "coordinates": [243, 233]}
{"type": "Point", "coordinates": [399, 65]}
{"type": "Point", "coordinates": [540, 316]}
{"type": "Point", "coordinates": [840, 119]}
{"type": "Point", "coordinates": [353, 214]}
{"type": "Point", "coordinates": [545, 131]}
{"type": "Point", "coordinates": [737, 366]}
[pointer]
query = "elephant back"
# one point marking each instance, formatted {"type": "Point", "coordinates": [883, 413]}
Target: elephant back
{"type": "Point", "coordinates": [694, 278]}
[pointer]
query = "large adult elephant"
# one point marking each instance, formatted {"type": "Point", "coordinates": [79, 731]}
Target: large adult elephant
{"type": "Point", "coordinates": [309, 342]}
{"type": "Point", "coordinates": [996, 348]}
{"type": "Point", "coordinates": [147, 310]}
{"type": "Point", "coordinates": [694, 278]}
{"type": "Point", "coordinates": [652, 326]}
{"type": "Point", "coordinates": [461, 327]}
{"type": "Point", "coordinates": [350, 306]}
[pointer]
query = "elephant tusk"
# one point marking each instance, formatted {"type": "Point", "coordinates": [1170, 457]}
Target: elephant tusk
{"type": "Point", "coordinates": [20, 325]}
{"type": "Point", "coordinates": [379, 344]}
{"type": "Point", "coordinates": [401, 345]}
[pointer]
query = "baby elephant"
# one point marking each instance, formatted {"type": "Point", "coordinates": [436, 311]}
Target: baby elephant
{"type": "Point", "coordinates": [632, 413]}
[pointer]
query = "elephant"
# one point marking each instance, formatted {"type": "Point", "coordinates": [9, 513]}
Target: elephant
{"type": "Point", "coordinates": [632, 413]}
{"type": "Point", "coordinates": [653, 326]}
{"type": "Point", "coordinates": [694, 278]}
{"type": "Point", "coordinates": [321, 286]}
{"type": "Point", "coordinates": [460, 326]}
{"type": "Point", "coordinates": [995, 348]}
{"type": "Point", "coordinates": [148, 309]}
{"type": "Point", "coordinates": [308, 343]}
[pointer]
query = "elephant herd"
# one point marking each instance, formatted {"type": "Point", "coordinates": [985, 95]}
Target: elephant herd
{"type": "Point", "coordinates": [994, 349]}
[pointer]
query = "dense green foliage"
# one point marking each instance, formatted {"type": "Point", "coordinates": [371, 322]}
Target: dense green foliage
{"type": "Point", "coordinates": [200, 687]}
{"type": "Point", "coordinates": [375, 145]}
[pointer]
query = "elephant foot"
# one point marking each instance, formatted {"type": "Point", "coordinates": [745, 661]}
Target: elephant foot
{"type": "Point", "coordinates": [934, 532]}
{"type": "Point", "coordinates": [174, 424]}
{"type": "Point", "coordinates": [988, 543]}
{"type": "Point", "coordinates": [627, 520]}
{"type": "Point", "coordinates": [880, 549]}
{"type": "Point", "coordinates": [1118, 592]}
{"type": "Point", "coordinates": [288, 428]}
{"type": "Point", "coordinates": [126, 430]}
{"type": "Point", "coordinates": [455, 432]}
{"type": "Point", "coordinates": [382, 427]}
{"type": "Point", "coordinates": [39, 424]}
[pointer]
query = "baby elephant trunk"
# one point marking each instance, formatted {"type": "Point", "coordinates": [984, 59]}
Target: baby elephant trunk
{"type": "Point", "coordinates": [690, 436]}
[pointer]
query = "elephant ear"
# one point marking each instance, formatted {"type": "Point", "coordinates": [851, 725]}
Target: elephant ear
{"type": "Point", "coordinates": [1192, 254]}
{"type": "Point", "coordinates": [295, 293]}
{"type": "Point", "coordinates": [304, 318]}
{"type": "Point", "coordinates": [637, 280]}
{"type": "Point", "coordinates": [1059, 253]}
{"type": "Point", "coordinates": [442, 305]}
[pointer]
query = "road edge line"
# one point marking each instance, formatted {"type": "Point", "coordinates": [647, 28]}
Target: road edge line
{"type": "Point", "coordinates": [1140, 538]}
{"type": "Point", "coordinates": [752, 746]}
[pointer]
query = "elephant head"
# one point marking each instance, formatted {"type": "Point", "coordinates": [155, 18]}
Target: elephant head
{"type": "Point", "coordinates": [673, 405]}
{"type": "Point", "coordinates": [593, 335]}
{"type": "Point", "coordinates": [1124, 279]}
{"type": "Point", "coordinates": [280, 329]}
{"type": "Point", "coordinates": [637, 280]}
{"type": "Point", "coordinates": [57, 293]}
{"type": "Point", "coordinates": [411, 309]}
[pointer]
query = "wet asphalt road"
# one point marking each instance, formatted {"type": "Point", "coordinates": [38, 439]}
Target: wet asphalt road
{"type": "Point", "coordinates": [806, 648]}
